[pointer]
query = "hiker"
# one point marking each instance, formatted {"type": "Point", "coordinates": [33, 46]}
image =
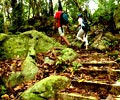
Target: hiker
{"type": "Point", "coordinates": [60, 27]}
{"type": "Point", "coordinates": [82, 33]}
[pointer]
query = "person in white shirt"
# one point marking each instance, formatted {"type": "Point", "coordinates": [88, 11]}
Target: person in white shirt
{"type": "Point", "coordinates": [82, 34]}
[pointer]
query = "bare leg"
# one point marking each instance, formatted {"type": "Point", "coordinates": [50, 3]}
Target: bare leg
{"type": "Point", "coordinates": [61, 32]}
{"type": "Point", "coordinates": [66, 40]}
{"type": "Point", "coordinates": [86, 40]}
{"type": "Point", "coordinates": [86, 47]}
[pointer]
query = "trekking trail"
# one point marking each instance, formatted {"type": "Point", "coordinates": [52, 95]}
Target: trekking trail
{"type": "Point", "coordinates": [97, 78]}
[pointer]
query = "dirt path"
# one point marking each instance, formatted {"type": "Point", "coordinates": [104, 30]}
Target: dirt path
{"type": "Point", "coordinates": [97, 77]}
{"type": "Point", "coordinates": [94, 78]}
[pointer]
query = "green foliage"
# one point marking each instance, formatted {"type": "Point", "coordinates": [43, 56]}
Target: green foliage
{"type": "Point", "coordinates": [15, 78]}
{"type": "Point", "coordinates": [66, 54]}
{"type": "Point", "coordinates": [73, 7]}
{"type": "Point", "coordinates": [2, 89]}
{"type": "Point", "coordinates": [113, 54]}
{"type": "Point", "coordinates": [118, 80]}
{"type": "Point", "coordinates": [76, 65]}
{"type": "Point", "coordinates": [21, 12]}
{"type": "Point", "coordinates": [105, 11]}
{"type": "Point", "coordinates": [64, 68]}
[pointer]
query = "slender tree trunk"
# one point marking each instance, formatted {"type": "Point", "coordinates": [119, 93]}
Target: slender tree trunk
{"type": "Point", "coordinates": [51, 8]}
{"type": "Point", "coordinates": [13, 5]}
{"type": "Point", "coordinates": [33, 7]}
{"type": "Point", "coordinates": [4, 17]}
{"type": "Point", "coordinates": [59, 3]}
{"type": "Point", "coordinates": [38, 5]}
{"type": "Point", "coordinates": [29, 9]}
{"type": "Point", "coordinates": [46, 7]}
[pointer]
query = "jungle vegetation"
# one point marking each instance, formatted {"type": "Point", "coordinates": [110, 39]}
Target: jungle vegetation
{"type": "Point", "coordinates": [19, 15]}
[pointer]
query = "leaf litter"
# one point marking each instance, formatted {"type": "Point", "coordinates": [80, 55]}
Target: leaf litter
{"type": "Point", "coordinates": [47, 69]}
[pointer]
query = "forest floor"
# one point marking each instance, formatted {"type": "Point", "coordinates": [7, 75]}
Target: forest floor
{"type": "Point", "coordinates": [96, 70]}
{"type": "Point", "coordinates": [97, 74]}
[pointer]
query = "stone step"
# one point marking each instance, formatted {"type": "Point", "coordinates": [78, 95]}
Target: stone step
{"type": "Point", "coordinates": [116, 84]}
{"type": "Point", "coordinates": [94, 72]}
{"type": "Point", "coordinates": [95, 86]}
{"type": "Point", "coordinates": [99, 66]}
{"type": "Point", "coordinates": [98, 82]}
{"type": "Point", "coordinates": [74, 96]}
{"type": "Point", "coordinates": [94, 56]}
{"type": "Point", "coordinates": [117, 97]}
{"type": "Point", "coordinates": [94, 62]}
{"type": "Point", "coordinates": [102, 78]}
{"type": "Point", "coordinates": [78, 96]}
{"type": "Point", "coordinates": [96, 69]}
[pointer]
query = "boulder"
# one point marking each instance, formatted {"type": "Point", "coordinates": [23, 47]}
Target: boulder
{"type": "Point", "coordinates": [46, 88]}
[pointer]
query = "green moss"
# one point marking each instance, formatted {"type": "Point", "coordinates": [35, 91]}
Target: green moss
{"type": "Point", "coordinates": [67, 54]}
{"type": "Point", "coordinates": [18, 45]}
{"type": "Point", "coordinates": [46, 88]}
{"type": "Point", "coordinates": [15, 78]}
{"type": "Point", "coordinates": [46, 43]}
{"type": "Point", "coordinates": [2, 36]}
{"type": "Point", "coordinates": [76, 65]}
{"type": "Point", "coordinates": [14, 46]}
{"type": "Point", "coordinates": [29, 68]}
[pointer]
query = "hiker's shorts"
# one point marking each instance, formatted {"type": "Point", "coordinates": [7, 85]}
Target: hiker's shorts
{"type": "Point", "coordinates": [81, 35]}
{"type": "Point", "coordinates": [61, 31]}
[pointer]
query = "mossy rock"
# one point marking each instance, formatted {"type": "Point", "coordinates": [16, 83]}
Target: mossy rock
{"type": "Point", "coordinates": [67, 54]}
{"type": "Point", "coordinates": [15, 79]}
{"type": "Point", "coordinates": [29, 68]}
{"type": "Point", "coordinates": [13, 46]}
{"type": "Point", "coordinates": [46, 88]}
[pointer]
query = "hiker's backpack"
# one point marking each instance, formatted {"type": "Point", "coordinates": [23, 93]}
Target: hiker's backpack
{"type": "Point", "coordinates": [85, 26]}
{"type": "Point", "coordinates": [64, 19]}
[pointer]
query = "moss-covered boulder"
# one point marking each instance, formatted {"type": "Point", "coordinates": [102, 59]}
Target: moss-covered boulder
{"type": "Point", "coordinates": [15, 79]}
{"type": "Point", "coordinates": [46, 88]}
{"type": "Point", "coordinates": [29, 68]}
{"type": "Point", "coordinates": [28, 71]}
{"type": "Point", "coordinates": [100, 43]}
{"type": "Point", "coordinates": [105, 41]}
{"type": "Point", "coordinates": [13, 46]}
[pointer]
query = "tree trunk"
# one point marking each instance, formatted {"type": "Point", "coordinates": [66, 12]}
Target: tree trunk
{"type": "Point", "coordinates": [4, 17]}
{"type": "Point", "coordinates": [59, 3]}
{"type": "Point", "coordinates": [50, 8]}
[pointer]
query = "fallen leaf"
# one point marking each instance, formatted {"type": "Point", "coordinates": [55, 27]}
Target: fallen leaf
{"type": "Point", "coordinates": [81, 80]}
{"type": "Point", "coordinates": [5, 96]}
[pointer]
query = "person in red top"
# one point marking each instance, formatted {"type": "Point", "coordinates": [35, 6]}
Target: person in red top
{"type": "Point", "coordinates": [60, 27]}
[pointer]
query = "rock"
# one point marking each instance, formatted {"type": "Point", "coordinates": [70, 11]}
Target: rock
{"type": "Point", "coordinates": [46, 88]}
